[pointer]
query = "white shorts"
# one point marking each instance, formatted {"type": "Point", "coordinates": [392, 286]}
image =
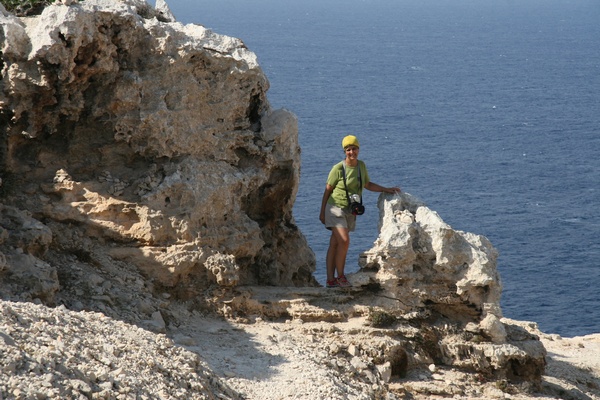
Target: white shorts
{"type": "Point", "coordinates": [336, 217]}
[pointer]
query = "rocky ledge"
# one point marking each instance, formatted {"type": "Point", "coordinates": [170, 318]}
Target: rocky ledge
{"type": "Point", "coordinates": [148, 248]}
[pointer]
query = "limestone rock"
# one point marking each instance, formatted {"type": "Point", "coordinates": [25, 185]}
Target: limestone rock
{"type": "Point", "coordinates": [151, 142]}
{"type": "Point", "coordinates": [165, 14]}
{"type": "Point", "coordinates": [23, 243]}
{"type": "Point", "coordinates": [493, 328]}
{"type": "Point", "coordinates": [31, 277]}
{"type": "Point", "coordinates": [420, 259]}
{"type": "Point", "coordinates": [21, 231]}
{"type": "Point", "coordinates": [425, 269]}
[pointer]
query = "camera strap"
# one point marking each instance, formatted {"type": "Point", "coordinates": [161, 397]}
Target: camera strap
{"type": "Point", "coordinates": [346, 186]}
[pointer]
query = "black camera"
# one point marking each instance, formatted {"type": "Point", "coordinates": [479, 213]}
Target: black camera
{"type": "Point", "coordinates": [357, 209]}
{"type": "Point", "coordinates": [356, 206]}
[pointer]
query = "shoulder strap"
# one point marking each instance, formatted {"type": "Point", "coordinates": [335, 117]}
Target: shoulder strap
{"type": "Point", "coordinates": [346, 186]}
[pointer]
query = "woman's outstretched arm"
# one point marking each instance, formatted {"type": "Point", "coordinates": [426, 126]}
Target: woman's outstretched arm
{"type": "Point", "coordinates": [373, 187]}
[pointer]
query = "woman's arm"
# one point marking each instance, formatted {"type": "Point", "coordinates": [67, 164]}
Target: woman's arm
{"type": "Point", "coordinates": [326, 195]}
{"type": "Point", "coordinates": [372, 186]}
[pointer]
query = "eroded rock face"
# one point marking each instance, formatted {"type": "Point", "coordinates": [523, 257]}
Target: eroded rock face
{"type": "Point", "coordinates": [421, 260]}
{"type": "Point", "coordinates": [446, 282]}
{"type": "Point", "coordinates": [151, 142]}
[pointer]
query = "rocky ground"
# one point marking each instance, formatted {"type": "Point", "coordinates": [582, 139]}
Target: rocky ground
{"type": "Point", "coordinates": [58, 353]}
{"type": "Point", "coordinates": [311, 361]}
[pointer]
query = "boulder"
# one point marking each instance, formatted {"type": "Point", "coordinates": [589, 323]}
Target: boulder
{"type": "Point", "coordinates": [445, 281]}
{"type": "Point", "coordinates": [24, 242]}
{"type": "Point", "coordinates": [149, 141]}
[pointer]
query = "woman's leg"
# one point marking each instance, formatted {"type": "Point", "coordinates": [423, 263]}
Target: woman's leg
{"type": "Point", "coordinates": [330, 260]}
{"type": "Point", "coordinates": [336, 254]}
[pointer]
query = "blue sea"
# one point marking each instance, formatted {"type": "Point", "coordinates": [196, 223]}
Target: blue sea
{"type": "Point", "coordinates": [489, 111]}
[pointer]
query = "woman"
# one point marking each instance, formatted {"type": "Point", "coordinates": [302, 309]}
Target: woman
{"type": "Point", "coordinates": [346, 178]}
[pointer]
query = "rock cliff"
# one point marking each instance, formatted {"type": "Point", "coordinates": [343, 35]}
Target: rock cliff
{"type": "Point", "coordinates": [147, 240]}
{"type": "Point", "coordinates": [147, 142]}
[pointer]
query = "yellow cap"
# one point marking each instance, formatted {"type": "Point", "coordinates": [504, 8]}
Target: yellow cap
{"type": "Point", "coordinates": [350, 140]}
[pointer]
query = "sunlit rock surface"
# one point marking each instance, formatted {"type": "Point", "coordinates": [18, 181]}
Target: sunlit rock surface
{"type": "Point", "coordinates": [150, 142]}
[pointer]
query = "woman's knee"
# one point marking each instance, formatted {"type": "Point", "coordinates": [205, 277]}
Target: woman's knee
{"type": "Point", "coordinates": [340, 238]}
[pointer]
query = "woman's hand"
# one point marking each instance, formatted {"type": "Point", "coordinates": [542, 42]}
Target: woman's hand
{"type": "Point", "coordinates": [326, 195]}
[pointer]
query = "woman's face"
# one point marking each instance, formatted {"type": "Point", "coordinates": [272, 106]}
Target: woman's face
{"type": "Point", "coordinates": [351, 152]}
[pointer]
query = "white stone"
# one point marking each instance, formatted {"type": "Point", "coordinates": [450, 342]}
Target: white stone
{"type": "Point", "coordinates": [165, 12]}
{"type": "Point", "coordinates": [353, 350]}
{"type": "Point", "coordinates": [385, 371]}
{"type": "Point", "coordinates": [493, 328]}
{"type": "Point", "coordinates": [358, 363]}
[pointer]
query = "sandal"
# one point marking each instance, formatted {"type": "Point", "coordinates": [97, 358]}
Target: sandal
{"type": "Point", "coordinates": [333, 283]}
{"type": "Point", "coordinates": [343, 282]}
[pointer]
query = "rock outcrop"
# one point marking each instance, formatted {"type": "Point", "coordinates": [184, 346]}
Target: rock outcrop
{"type": "Point", "coordinates": [129, 136]}
{"type": "Point", "coordinates": [425, 269]}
